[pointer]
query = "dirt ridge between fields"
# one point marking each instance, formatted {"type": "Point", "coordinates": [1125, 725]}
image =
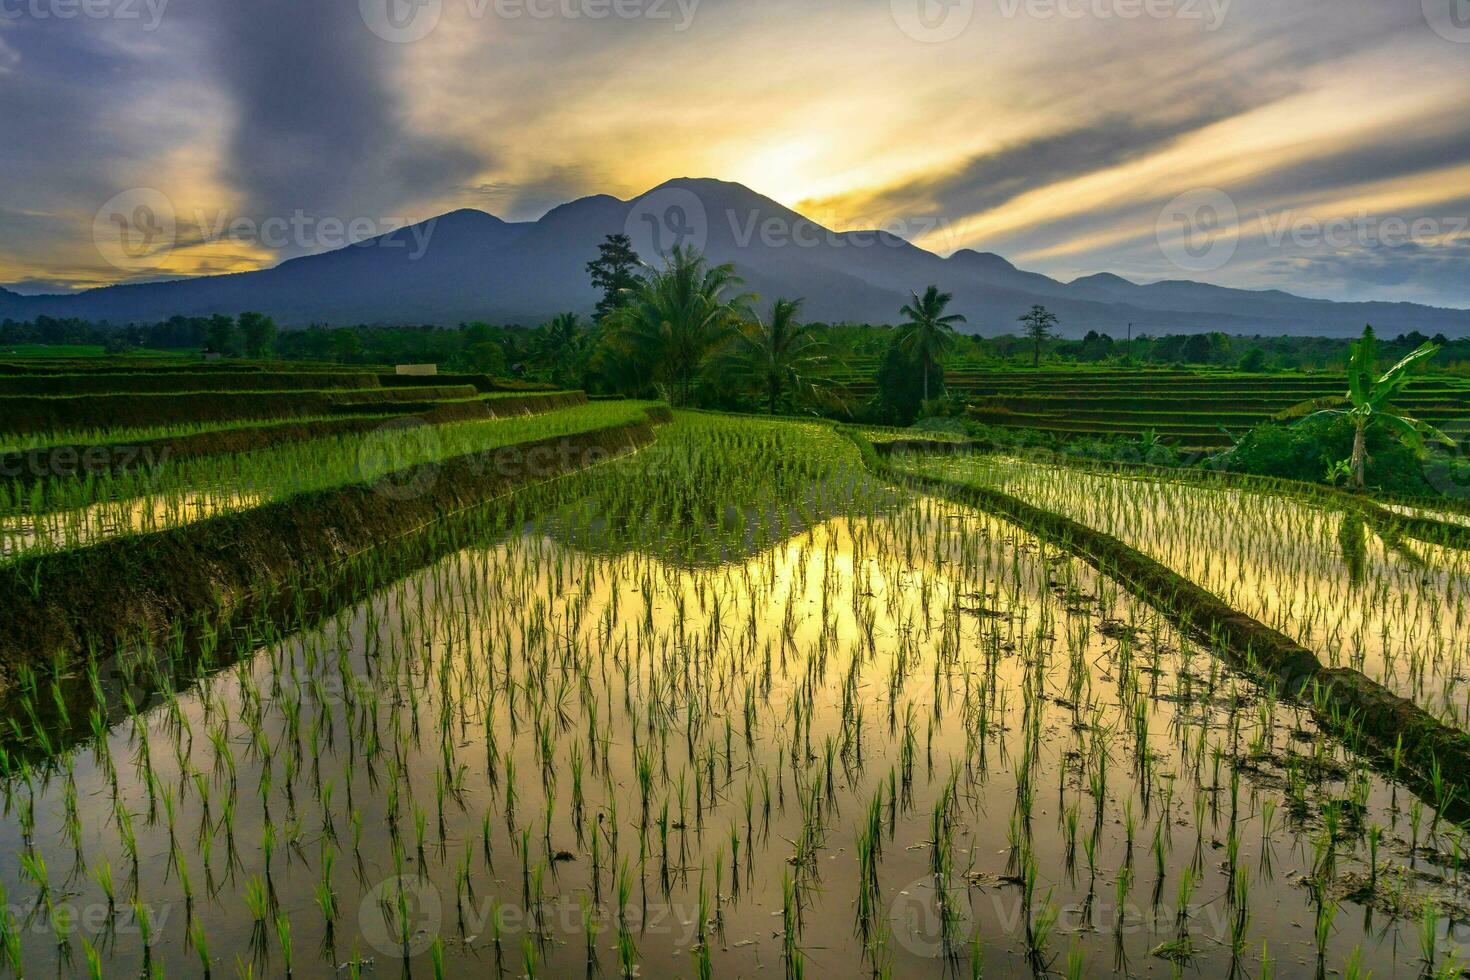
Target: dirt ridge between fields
{"type": "Point", "coordinates": [78, 459]}
{"type": "Point", "coordinates": [54, 608]}
{"type": "Point", "coordinates": [1343, 701]}
{"type": "Point", "coordinates": [1428, 530]}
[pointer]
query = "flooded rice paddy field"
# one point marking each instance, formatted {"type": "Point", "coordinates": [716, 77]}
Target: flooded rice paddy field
{"type": "Point", "coordinates": [62, 513]}
{"type": "Point", "coordinates": [894, 737]}
{"type": "Point", "coordinates": [1393, 608]}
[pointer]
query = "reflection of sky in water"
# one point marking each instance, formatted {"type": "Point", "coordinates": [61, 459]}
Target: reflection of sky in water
{"type": "Point", "coordinates": [1279, 560]}
{"type": "Point", "coordinates": [927, 626]}
{"type": "Point", "coordinates": [68, 529]}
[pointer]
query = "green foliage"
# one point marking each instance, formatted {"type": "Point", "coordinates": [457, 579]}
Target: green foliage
{"type": "Point", "coordinates": [221, 336]}
{"type": "Point", "coordinates": [1254, 360]}
{"type": "Point", "coordinates": [614, 273]}
{"type": "Point", "coordinates": [781, 360]}
{"type": "Point", "coordinates": [681, 315]}
{"type": "Point", "coordinates": [1370, 396]}
{"type": "Point", "coordinates": [902, 382]}
{"type": "Point", "coordinates": [928, 333]}
{"type": "Point", "coordinates": [1308, 451]}
{"type": "Point", "coordinates": [258, 334]}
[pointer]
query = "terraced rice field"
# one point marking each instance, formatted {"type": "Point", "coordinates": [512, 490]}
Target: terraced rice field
{"type": "Point", "coordinates": [1392, 607]}
{"type": "Point", "coordinates": [1194, 409]}
{"type": "Point", "coordinates": [721, 700]}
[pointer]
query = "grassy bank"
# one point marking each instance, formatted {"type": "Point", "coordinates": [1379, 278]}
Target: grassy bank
{"type": "Point", "coordinates": [96, 597]}
{"type": "Point", "coordinates": [58, 413]}
{"type": "Point", "coordinates": [1368, 716]}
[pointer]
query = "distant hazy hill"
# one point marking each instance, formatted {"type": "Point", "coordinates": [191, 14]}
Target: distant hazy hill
{"type": "Point", "coordinates": [477, 267]}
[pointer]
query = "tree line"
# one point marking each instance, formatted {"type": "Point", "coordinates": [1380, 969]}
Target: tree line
{"type": "Point", "coordinates": [687, 331]}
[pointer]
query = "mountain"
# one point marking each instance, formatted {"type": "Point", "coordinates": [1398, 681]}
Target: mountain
{"type": "Point", "coordinates": [468, 265]}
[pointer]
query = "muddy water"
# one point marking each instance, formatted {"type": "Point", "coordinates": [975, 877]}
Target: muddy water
{"type": "Point", "coordinates": [488, 748]}
{"type": "Point", "coordinates": [59, 530]}
{"type": "Point", "coordinates": [1396, 610]}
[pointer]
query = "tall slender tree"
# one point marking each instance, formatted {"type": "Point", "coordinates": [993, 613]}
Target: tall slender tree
{"type": "Point", "coordinates": [614, 272]}
{"type": "Point", "coordinates": [1039, 322]}
{"type": "Point", "coordinates": [928, 333]}
{"type": "Point", "coordinates": [258, 332]}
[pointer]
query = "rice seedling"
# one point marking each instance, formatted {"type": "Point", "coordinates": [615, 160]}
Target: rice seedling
{"type": "Point", "coordinates": [741, 699]}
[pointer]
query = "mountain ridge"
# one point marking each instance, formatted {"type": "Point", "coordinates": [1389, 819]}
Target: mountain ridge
{"type": "Point", "coordinates": [468, 264]}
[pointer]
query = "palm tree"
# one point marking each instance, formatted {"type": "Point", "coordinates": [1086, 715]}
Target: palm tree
{"type": "Point", "coordinates": [562, 346]}
{"type": "Point", "coordinates": [779, 357]}
{"type": "Point", "coordinates": [678, 316]}
{"type": "Point", "coordinates": [1369, 399]}
{"type": "Point", "coordinates": [928, 333]}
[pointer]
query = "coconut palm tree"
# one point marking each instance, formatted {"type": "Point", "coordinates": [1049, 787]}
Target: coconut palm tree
{"type": "Point", "coordinates": [780, 357]}
{"type": "Point", "coordinates": [679, 316]}
{"type": "Point", "coordinates": [1369, 398]}
{"type": "Point", "coordinates": [562, 347]}
{"type": "Point", "coordinates": [928, 334]}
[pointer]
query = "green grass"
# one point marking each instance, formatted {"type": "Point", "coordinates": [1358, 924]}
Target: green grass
{"type": "Point", "coordinates": [69, 512]}
{"type": "Point", "coordinates": [717, 487]}
{"type": "Point", "coordinates": [47, 413]}
{"type": "Point", "coordinates": [83, 351]}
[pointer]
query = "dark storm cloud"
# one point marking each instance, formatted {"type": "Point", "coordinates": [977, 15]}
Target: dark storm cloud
{"type": "Point", "coordinates": [318, 124]}
{"type": "Point", "coordinates": [993, 179]}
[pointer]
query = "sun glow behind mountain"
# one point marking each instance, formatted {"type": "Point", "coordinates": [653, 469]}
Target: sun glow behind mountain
{"type": "Point", "coordinates": [1056, 140]}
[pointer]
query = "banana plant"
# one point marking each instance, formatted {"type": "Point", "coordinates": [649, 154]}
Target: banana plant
{"type": "Point", "coordinates": [1368, 400]}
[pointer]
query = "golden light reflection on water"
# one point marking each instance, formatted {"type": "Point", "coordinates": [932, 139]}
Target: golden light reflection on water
{"type": "Point", "coordinates": [59, 530]}
{"type": "Point", "coordinates": [1280, 560]}
{"type": "Point", "coordinates": [766, 701]}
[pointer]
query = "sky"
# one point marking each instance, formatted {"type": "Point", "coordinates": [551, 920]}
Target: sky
{"type": "Point", "coordinates": [1316, 146]}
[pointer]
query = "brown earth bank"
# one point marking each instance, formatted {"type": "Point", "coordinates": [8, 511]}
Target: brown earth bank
{"type": "Point", "coordinates": [30, 414]}
{"type": "Point", "coordinates": [56, 609]}
{"type": "Point", "coordinates": [102, 382]}
{"type": "Point", "coordinates": [1370, 719]}
{"type": "Point", "coordinates": [82, 459]}
{"type": "Point", "coordinates": [1371, 504]}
